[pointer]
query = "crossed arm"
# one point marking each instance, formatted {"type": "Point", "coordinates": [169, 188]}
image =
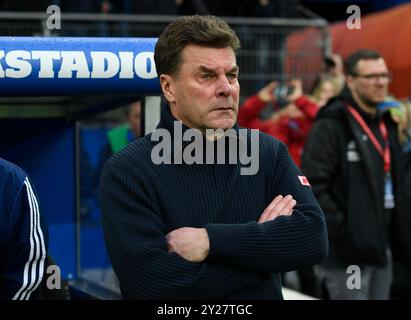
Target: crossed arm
{"type": "Point", "coordinates": [151, 264]}
{"type": "Point", "coordinates": [193, 243]}
{"type": "Point", "coordinates": [289, 234]}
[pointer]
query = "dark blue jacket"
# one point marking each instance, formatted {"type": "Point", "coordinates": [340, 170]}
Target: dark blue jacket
{"type": "Point", "coordinates": [142, 202]}
{"type": "Point", "coordinates": [23, 235]}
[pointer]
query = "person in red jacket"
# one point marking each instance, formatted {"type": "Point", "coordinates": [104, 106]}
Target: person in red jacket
{"type": "Point", "coordinates": [289, 124]}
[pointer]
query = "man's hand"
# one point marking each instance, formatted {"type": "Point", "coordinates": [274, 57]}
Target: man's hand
{"type": "Point", "coordinates": [280, 206]}
{"type": "Point", "coordinates": [298, 90]}
{"type": "Point", "coordinates": [266, 94]}
{"type": "Point", "coordinates": [190, 243]}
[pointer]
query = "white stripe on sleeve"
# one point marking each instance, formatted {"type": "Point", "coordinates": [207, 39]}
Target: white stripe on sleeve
{"type": "Point", "coordinates": [37, 246]}
{"type": "Point", "coordinates": [38, 235]}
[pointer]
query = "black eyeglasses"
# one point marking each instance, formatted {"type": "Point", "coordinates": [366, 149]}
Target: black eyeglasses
{"type": "Point", "coordinates": [375, 76]}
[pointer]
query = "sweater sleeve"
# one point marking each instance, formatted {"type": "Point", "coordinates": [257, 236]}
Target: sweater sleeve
{"type": "Point", "coordinates": [25, 253]}
{"type": "Point", "coordinates": [135, 240]}
{"type": "Point", "coordinates": [308, 107]}
{"type": "Point", "coordinates": [283, 244]}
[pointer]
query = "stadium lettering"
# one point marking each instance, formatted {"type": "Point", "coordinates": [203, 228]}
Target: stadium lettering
{"type": "Point", "coordinates": [75, 64]}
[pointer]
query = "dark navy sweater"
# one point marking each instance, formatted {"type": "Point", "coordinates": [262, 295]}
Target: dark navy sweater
{"type": "Point", "coordinates": [142, 202]}
{"type": "Point", "coordinates": [23, 235]}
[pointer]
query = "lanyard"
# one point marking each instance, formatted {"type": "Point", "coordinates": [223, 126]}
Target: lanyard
{"type": "Point", "coordinates": [385, 153]}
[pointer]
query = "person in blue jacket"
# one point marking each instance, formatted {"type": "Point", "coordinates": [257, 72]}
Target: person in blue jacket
{"type": "Point", "coordinates": [23, 235]}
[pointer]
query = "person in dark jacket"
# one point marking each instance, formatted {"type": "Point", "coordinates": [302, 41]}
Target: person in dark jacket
{"type": "Point", "coordinates": [23, 235]}
{"type": "Point", "coordinates": [183, 230]}
{"type": "Point", "coordinates": [353, 159]}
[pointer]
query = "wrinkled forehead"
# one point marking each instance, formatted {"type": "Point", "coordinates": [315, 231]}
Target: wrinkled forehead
{"type": "Point", "coordinates": [370, 66]}
{"type": "Point", "coordinates": [213, 58]}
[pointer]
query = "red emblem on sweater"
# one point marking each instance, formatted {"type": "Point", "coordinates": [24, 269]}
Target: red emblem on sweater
{"type": "Point", "coordinates": [304, 181]}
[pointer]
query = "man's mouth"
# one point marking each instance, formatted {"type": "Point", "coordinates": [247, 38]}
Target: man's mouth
{"type": "Point", "coordinates": [224, 108]}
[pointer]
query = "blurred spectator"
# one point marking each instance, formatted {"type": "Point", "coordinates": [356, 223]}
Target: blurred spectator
{"type": "Point", "coordinates": [289, 124]}
{"type": "Point", "coordinates": [334, 66]}
{"type": "Point", "coordinates": [326, 88]}
{"type": "Point", "coordinates": [400, 112]}
{"type": "Point", "coordinates": [352, 159]}
{"type": "Point", "coordinates": [120, 136]}
{"type": "Point", "coordinates": [117, 138]}
{"type": "Point", "coordinates": [333, 73]}
{"type": "Point", "coordinates": [406, 126]}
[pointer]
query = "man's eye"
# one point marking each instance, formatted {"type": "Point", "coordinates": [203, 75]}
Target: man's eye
{"type": "Point", "coordinates": [206, 76]}
{"type": "Point", "coordinates": [232, 76]}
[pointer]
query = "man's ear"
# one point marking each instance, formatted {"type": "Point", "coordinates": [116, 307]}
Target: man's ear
{"type": "Point", "coordinates": [167, 85]}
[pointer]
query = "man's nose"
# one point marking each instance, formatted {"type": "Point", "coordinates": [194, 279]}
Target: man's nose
{"type": "Point", "coordinates": [223, 87]}
{"type": "Point", "coordinates": [382, 81]}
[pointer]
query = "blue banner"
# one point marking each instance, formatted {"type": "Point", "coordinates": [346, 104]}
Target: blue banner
{"type": "Point", "coordinates": [64, 66]}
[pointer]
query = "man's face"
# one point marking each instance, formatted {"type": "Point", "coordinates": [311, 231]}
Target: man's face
{"type": "Point", "coordinates": [134, 118]}
{"type": "Point", "coordinates": [371, 83]}
{"type": "Point", "coordinates": [205, 91]}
